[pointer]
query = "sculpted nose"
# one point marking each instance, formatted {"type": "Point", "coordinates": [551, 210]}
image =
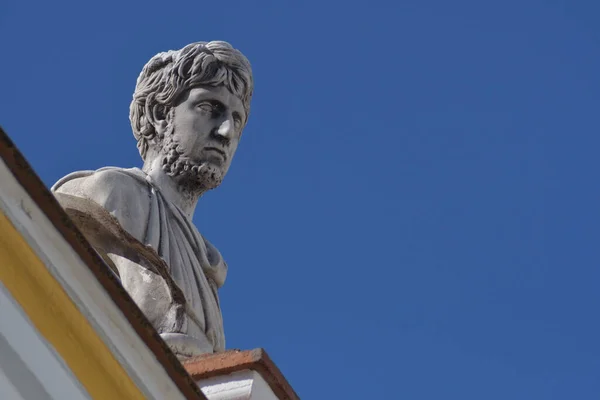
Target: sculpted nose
{"type": "Point", "coordinates": [226, 129]}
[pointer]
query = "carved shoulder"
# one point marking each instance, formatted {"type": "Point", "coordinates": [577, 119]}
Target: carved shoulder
{"type": "Point", "coordinates": [124, 196]}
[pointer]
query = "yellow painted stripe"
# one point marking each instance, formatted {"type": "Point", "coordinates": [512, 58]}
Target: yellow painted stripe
{"type": "Point", "coordinates": [58, 319]}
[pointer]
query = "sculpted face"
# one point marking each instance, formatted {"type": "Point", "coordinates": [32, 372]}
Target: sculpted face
{"type": "Point", "coordinates": [202, 137]}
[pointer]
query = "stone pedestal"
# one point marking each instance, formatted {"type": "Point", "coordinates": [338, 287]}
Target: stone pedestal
{"type": "Point", "coordinates": [239, 375]}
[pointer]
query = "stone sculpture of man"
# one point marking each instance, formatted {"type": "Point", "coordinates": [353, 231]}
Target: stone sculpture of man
{"type": "Point", "coordinates": [188, 112]}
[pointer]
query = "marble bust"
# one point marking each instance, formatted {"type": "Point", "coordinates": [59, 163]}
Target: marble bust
{"type": "Point", "coordinates": [188, 112]}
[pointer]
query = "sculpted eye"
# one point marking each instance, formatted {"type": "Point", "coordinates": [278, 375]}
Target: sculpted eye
{"type": "Point", "coordinates": [237, 121]}
{"type": "Point", "coordinates": [206, 106]}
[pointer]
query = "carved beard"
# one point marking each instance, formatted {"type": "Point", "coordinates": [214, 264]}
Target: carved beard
{"type": "Point", "coordinates": [193, 176]}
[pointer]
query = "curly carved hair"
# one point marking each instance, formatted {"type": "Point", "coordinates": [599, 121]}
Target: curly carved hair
{"type": "Point", "coordinates": [170, 74]}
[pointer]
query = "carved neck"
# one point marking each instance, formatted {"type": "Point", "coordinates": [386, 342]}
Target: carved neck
{"type": "Point", "coordinates": [184, 198]}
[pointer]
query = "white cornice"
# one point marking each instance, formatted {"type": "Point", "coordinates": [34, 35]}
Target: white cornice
{"type": "Point", "coordinates": [241, 385]}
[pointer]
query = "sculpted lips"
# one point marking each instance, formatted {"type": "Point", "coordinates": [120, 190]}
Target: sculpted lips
{"type": "Point", "coordinates": [217, 150]}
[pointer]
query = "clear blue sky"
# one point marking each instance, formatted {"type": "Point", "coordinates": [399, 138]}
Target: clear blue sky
{"type": "Point", "coordinates": [413, 211]}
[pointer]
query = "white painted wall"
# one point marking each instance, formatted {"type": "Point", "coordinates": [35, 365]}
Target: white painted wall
{"type": "Point", "coordinates": [7, 390]}
{"type": "Point", "coordinates": [29, 366]}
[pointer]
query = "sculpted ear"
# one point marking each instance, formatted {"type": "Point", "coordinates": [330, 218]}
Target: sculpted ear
{"type": "Point", "coordinates": [159, 120]}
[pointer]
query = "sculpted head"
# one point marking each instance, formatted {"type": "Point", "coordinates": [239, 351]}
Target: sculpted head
{"type": "Point", "coordinates": [189, 109]}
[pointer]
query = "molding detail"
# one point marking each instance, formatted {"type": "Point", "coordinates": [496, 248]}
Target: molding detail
{"type": "Point", "coordinates": [221, 368]}
{"type": "Point", "coordinates": [241, 385]}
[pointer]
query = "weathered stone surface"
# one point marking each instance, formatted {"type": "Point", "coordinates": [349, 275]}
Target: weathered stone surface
{"type": "Point", "coordinates": [188, 112]}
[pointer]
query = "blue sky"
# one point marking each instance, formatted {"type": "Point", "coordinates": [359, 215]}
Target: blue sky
{"type": "Point", "coordinates": [413, 211]}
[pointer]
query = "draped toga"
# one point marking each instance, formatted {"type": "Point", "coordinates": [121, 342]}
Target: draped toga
{"type": "Point", "coordinates": [164, 263]}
